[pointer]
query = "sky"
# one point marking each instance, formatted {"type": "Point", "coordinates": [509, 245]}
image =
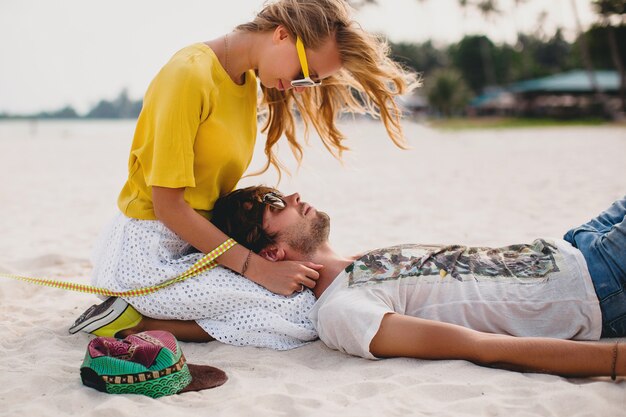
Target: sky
{"type": "Point", "coordinates": [77, 52]}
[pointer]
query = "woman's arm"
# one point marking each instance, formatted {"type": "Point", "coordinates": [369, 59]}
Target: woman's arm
{"type": "Point", "coordinates": [401, 335]}
{"type": "Point", "coordinates": [282, 278]}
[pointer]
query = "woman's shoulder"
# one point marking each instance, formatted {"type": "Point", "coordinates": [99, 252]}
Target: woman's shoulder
{"type": "Point", "coordinates": [194, 52]}
{"type": "Point", "coordinates": [196, 60]}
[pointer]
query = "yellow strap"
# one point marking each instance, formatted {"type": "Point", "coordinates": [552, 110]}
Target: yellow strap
{"type": "Point", "coordinates": [206, 263]}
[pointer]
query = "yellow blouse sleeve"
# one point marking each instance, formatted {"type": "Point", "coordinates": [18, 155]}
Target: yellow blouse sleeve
{"type": "Point", "coordinates": [173, 108]}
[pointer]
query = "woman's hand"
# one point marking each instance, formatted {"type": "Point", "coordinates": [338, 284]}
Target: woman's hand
{"type": "Point", "coordinates": [287, 277]}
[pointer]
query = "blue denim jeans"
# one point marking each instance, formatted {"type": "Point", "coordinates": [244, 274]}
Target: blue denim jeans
{"type": "Point", "coordinates": [602, 242]}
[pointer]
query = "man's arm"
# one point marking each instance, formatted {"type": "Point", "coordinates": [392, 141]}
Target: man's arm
{"type": "Point", "coordinates": [407, 336]}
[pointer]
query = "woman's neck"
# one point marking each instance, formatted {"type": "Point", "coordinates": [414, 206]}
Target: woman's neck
{"type": "Point", "coordinates": [236, 52]}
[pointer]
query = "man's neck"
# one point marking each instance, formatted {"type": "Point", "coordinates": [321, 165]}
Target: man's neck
{"type": "Point", "coordinates": [333, 265]}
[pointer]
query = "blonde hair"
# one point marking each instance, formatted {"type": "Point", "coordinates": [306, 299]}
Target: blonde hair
{"type": "Point", "coordinates": [367, 83]}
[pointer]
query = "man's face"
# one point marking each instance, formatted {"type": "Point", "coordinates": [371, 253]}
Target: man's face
{"type": "Point", "coordinates": [299, 225]}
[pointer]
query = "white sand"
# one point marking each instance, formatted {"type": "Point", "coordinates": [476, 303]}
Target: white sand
{"type": "Point", "coordinates": [58, 185]}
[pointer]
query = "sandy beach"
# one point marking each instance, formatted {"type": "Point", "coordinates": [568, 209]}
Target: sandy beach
{"type": "Point", "coordinates": [59, 182]}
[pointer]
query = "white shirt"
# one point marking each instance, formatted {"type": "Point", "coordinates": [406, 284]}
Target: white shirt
{"type": "Point", "coordinates": [541, 289]}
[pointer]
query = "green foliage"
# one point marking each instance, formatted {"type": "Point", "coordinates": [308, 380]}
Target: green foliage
{"type": "Point", "coordinates": [67, 112]}
{"type": "Point", "coordinates": [531, 57]}
{"type": "Point", "coordinates": [540, 57]}
{"type": "Point", "coordinates": [469, 57]}
{"type": "Point", "coordinates": [609, 7]}
{"type": "Point", "coordinates": [511, 123]}
{"type": "Point", "coordinates": [599, 47]}
{"type": "Point", "coordinates": [447, 92]}
{"type": "Point", "coordinates": [421, 57]}
{"type": "Point", "coordinates": [120, 108]}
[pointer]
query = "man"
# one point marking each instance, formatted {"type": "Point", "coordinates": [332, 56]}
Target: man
{"type": "Point", "coordinates": [453, 302]}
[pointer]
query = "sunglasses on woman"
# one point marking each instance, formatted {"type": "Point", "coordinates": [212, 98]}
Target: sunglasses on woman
{"type": "Point", "coordinates": [307, 81]}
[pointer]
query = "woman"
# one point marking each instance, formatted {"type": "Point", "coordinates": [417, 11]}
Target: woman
{"type": "Point", "coordinates": [195, 137]}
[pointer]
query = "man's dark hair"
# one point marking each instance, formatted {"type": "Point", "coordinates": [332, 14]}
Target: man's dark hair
{"type": "Point", "coordinates": [239, 214]}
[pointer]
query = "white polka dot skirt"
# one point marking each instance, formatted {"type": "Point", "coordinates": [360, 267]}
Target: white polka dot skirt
{"type": "Point", "coordinates": [132, 253]}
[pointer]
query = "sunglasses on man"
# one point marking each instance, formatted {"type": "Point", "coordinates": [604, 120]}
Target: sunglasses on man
{"type": "Point", "coordinates": [273, 199]}
{"type": "Point", "coordinates": [307, 81]}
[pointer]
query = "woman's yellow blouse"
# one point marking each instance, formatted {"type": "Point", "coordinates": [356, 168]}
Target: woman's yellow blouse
{"type": "Point", "coordinates": [196, 130]}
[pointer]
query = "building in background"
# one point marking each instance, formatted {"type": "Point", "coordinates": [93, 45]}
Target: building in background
{"type": "Point", "coordinates": [564, 95]}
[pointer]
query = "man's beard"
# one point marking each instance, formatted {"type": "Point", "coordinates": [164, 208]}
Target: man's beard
{"type": "Point", "coordinates": [306, 237]}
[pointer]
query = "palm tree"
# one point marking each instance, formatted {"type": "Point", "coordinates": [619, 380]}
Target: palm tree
{"type": "Point", "coordinates": [488, 9]}
{"type": "Point", "coordinates": [584, 51]}
{"type": "Point", "coordinates": [518, 32]}
{"type": "Point", "coordinates": [601, 98]}
{"type": "Point", "coordinates": [606, 9]}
